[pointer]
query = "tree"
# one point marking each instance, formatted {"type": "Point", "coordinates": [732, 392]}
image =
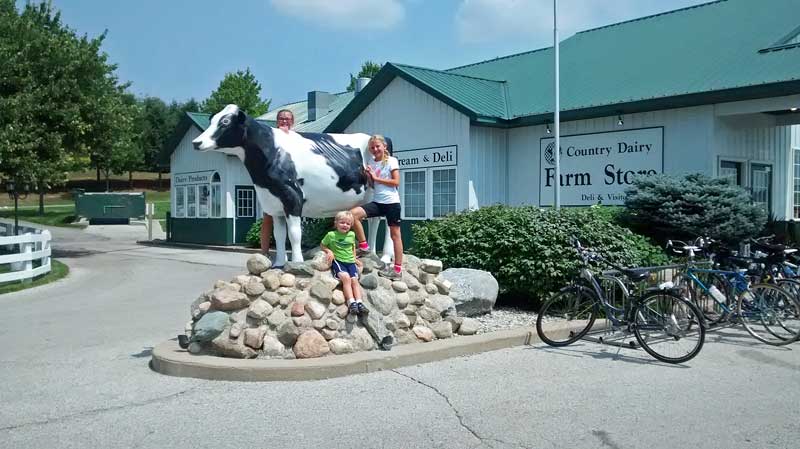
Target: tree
{"type": "Point", "coordinates": [684, 207]}
{"type": "Point", "coordinates": [240, 88]}
{"type": "Point", "coordinates": [155, 125]}
{"type": "Point", "coordinates": [51, 81]}
{"type": "Point", "coordinates": [116, 149]}
{"type": "Point", "coordinates": [368, 70]}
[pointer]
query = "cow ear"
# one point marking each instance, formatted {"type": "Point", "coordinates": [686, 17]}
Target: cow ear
{"type": "Point", "coordinates": [241, 116]}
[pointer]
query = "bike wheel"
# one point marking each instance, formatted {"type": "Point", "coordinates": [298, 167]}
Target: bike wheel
{"type": "Point", "coordinates": [711, 310]}
{"type": "Point", "coordinates": [668, 327]}
{"type": "Point", "coordinates": [567, 317]}
{"type": "Point", "coordinates": [769, 314]}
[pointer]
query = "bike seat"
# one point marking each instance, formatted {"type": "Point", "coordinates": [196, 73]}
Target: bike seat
{"type": "Point", "coordinates": [636, 275]}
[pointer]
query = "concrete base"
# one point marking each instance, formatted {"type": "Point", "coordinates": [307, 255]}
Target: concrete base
{"type": "Point", "coordinates": [169, 359]}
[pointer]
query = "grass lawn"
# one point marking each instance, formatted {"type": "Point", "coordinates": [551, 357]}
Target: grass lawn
{"type": "Point", "coordinates": [57, 271]}
{"type": "Point", "coordinates": [53, 216]}
{"type": "Point", "coordinates": [59, 212]}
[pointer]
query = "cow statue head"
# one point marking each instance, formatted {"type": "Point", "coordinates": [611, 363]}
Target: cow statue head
{"type": "Point", "coordinates": [225, 132]}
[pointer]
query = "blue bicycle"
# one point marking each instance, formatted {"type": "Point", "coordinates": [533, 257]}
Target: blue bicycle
{"type": "Point", "coordinates": [767, 311]}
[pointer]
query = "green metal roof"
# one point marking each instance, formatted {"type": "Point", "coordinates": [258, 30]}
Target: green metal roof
{"type": "Point", "coordinates": [300, 111]}
{"type": "Point", "coordinates": [721, 51]}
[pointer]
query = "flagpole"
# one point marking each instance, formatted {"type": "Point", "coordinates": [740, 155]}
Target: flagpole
{"type": "Point", "coordinates": [556, 115]}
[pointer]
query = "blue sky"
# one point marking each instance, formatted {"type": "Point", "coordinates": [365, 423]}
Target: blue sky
{"type": "Point", "coordinates": [177, 49]}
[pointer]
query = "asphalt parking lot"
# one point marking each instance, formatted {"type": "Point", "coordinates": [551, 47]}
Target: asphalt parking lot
{"type": "Point", "coordinates": [74, 370]}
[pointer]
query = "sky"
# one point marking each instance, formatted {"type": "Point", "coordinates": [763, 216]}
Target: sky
{"type": "Point", "coordinates": [181, 49]}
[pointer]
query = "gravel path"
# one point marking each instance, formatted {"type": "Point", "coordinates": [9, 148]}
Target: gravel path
{"type": "Point", "coordinates": [506, 318]}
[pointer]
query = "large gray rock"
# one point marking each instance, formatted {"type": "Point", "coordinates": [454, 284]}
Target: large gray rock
{"type": "Point", "coordinates": [209, 326]}
{"type": "Point", "coordinates": [383, 300]}
{"type": "Point", "coordinates": [288, 333]}
{"type": "Point", "coordinates": [225, 299]}
{"type": "Point", "coordinates": [473, 291]}
{"type": "Point", "coordinates": [257, 264]}
{"type": "Point", "coordinates": [310, 344]}
{"type": "Point", "coordinates": [305, 268]}
{"type": "Point", "coordinates": [225, 346]}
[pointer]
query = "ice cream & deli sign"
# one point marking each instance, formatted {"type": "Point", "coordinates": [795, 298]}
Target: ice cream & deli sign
{"type": "Point", "coordinates": [597, 168]}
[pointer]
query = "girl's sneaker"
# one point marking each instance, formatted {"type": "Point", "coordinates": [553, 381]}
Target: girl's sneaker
{"type": "Point", "coordinates": [389, 273]}
{"type": "Point", "coordinates": [354, 309]}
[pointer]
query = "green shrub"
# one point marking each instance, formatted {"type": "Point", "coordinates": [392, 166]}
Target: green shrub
{"type": "Point", "coordinates": [527, 249]}
{"type": "Point", "coordinates": [314, 229]}
{"type": "Point", "coordinates": [685, 207]}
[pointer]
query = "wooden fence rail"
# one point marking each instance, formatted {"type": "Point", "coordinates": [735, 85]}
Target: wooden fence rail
{"type": "Point", "coordinates": [20, 251]}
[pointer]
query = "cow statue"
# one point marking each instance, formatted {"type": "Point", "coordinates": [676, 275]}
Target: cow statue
{"type": "Point", "coordinates": [295, 174]}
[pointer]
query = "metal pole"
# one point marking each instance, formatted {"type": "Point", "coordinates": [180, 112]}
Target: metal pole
{"type": "Point", "coordinates": [556, 115]}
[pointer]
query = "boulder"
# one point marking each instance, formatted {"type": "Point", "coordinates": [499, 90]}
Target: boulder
{"type": "Point", "coordinates": [383, 300]}
{"type": "Point", "coordinates": [257, 264]}
{"type": "Point", "coordinates": [431, 266]}
{"type": "Point", "coordinates": [271, 279]}
{"type": "Point", "coordinates": [305, 269]}
{"type": "Point", "coordinates": [469, 326]}
{"type": "Point", "coordinates": [288, 333]}
{"type": "Point", "coordinates": [423, 333]}
{"type": "Point", "coordinates": [287, 280]}
{"type": "Point", "coordinates": [340, 346]}
{"type": "Point", "coordinates": [254, 338]}
{"type": "Point", "coordinates": [227, 299]}
{"type": "Point", "coordinates": [473, 291]}
{"type": "Point", "coordinates": [442, 329]}
{"type": "Point", "coordinates": [272, 347]}
{"type": "Point", "coordinates": [310, 344]}
{"type": "Point", "coordinates": [210, 326]}
{"type": "Point", "coordinates": [226, 346]}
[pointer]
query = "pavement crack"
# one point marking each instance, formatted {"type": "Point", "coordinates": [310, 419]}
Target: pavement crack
{"type": "Point", "coordinates": [97, 411]}
{"type": "Point", "coordinates": [483, 440]}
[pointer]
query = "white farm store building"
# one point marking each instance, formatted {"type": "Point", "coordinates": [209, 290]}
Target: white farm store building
{"type": "Point", "coordinates": [713, 88]}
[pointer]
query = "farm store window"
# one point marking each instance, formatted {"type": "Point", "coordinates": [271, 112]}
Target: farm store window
{"type": "Point", "coordinates": [428, 193]}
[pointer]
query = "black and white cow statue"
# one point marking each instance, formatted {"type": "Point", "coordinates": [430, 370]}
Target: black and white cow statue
{"type": "Point", "coordinates": [295, 174]}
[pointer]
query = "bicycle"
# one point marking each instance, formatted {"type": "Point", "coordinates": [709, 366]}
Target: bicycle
{"type": "Point", "coordinates": [766, 311]}
{"type": "Point", "coordinates": [667, 326]}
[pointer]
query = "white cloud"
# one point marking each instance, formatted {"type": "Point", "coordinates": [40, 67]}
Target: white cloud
{"type": "Point", "coordinates": [487, 21]}
{"type": "Point", "coordinates": [345, 14]}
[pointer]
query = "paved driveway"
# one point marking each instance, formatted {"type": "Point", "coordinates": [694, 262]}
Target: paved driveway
{"type": "Point", "coordinates": [74, 374]}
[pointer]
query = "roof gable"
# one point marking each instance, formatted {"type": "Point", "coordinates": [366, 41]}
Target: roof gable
{"type": "Point", "coordinates": [704, 54]}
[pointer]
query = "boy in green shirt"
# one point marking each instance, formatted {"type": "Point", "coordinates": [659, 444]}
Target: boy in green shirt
{"type": "Point", "coordinates": [340, 248]}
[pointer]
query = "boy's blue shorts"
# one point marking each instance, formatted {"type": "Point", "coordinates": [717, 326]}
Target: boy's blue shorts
{"type": "Point", "coordinates": [349, 268]}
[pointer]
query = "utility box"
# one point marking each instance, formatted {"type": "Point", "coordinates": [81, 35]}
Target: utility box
{"type": "Point", "coordinates": [110, 208]}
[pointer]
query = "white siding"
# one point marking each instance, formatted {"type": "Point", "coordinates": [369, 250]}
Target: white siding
{"type": "Point", "coordinates": [413, 119]}
{"type": "Point", "coordinates": [796, 136]}
{"type": "Point", "coordinates": [688, 136]}
{"type": "Point", "coordinates": [185, 159]}
{"type": "Point", "coordinates": [768, 145]}
{"type": "Point", "coordinates": [489, 147]}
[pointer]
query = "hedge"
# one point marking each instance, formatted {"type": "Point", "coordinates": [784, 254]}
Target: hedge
{"type": "Point", "coordinates": [527, 249]}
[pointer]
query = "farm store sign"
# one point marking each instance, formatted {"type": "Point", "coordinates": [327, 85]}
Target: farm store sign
{"type": "Point", "coordinates": [597, 168]}
{"type": "Point", "coordinates": [427, 157]}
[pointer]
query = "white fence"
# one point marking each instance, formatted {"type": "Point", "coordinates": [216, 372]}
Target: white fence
{"type": "Point", "coordinates": [32, 244]}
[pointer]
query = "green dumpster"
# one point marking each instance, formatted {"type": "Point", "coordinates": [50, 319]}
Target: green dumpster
{"type": "Point", "coordinates": [110, 208]}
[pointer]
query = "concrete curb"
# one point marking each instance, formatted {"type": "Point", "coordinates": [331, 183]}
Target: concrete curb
{"type": "Point", "coordinates": [169, 359]}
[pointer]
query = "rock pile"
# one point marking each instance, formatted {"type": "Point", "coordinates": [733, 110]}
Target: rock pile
{"type": "Point", "coordinates": [300, 312]}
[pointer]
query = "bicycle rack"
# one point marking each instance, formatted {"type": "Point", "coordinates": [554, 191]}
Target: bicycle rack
{"type": "Point", "coordinates": [617, 294]}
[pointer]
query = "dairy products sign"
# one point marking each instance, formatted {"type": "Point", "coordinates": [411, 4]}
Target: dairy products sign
{"type": "Point", "coordinates": [597, 168]}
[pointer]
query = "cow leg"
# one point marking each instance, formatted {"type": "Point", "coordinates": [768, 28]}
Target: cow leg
{"type": "Point", "coordinates": [295, 236]}
{"type": "Point", "coordinates": [279, 230]}
{"type": "Point", "coordinates": [388, 245]}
